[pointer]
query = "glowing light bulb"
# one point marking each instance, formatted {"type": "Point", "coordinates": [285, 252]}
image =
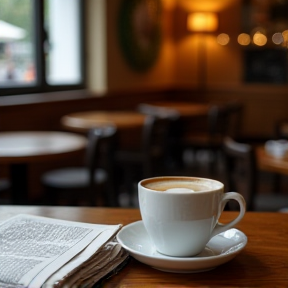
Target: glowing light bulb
{"type": "Point", "coordinates": [285, 35]}
{"type": "Point", "coordinates": [244, 39]}
{"type": "Point", "coordinates": [277, 38]}
{"type": "Point", "coordinates": [259, 39]}
{"type": "Point", "coordinates": [223, 39]}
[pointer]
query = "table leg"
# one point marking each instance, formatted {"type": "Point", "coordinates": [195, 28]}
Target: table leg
{"type": "Point", "coordinates": [19, 183]}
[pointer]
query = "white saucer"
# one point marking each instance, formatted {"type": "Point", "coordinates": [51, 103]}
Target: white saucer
{"type": "Point", "coordinates": [219, 250]}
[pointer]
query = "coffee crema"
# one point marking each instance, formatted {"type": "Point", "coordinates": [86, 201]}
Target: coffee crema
{"type": "Point", "coordinates": [183, 186]}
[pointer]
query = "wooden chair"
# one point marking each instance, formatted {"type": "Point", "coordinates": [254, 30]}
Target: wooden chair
{"type": "Point", "coordinates": [4, 188]}
{"type": "Point", "coordinates": [150, 159]}
{"type": "Point", "coordinates": [91, 181]}
{"type": "Point", "coordinates": [281, 129]}
{"type": "Point", "coordinates": [223, 120]}
{"type": "Point", "coordinates": [173, 132]}
{"type": "Point", "coordinates": [281, 132]}
{"type": "Point", "coordinates": [241, 176]}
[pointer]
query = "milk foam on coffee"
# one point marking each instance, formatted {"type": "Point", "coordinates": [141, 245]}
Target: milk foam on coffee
{"type": "Point", "coordinates": [178, 186]}
{"type": "Point", "coordinates": [179, 190]}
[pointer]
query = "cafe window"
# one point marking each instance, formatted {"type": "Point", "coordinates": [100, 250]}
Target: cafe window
{"type": "Point", "coordinates": [41, 46]}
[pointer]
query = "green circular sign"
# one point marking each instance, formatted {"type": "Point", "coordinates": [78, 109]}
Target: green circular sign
{"type": "Point", "coordinates": [140, 32]}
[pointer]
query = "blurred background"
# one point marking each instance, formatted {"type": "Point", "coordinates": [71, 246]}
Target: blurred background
{"type": "Point", "coordinates": [59, 57]}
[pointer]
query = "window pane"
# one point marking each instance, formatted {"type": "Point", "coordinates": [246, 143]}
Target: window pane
{"type": "Point", "coordinates": [62, 19]}
{"type": "Point", "coordinates": [17, 54]}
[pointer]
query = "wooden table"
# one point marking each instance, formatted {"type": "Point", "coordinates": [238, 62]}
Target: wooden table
{"type": "Point", "coordinates": [83, 121]}
{"type": "Point", "coordinates": [262, 263]}
{"type": "Point", "coordinates": [127, 122]}
{"type": "Point", "coordinates": [18, 149]}
{"type": "Point", "coordinates": [271, 163]}
{"type": "Point", "coordinates": [185, 109]}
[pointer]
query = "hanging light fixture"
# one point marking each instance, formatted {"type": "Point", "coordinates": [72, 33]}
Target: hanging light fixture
{"type": "Point", "coordinates": [202, 22]}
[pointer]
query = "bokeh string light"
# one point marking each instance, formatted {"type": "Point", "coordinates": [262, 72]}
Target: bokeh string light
{"type": "Point", "coordinates": [257, 37]}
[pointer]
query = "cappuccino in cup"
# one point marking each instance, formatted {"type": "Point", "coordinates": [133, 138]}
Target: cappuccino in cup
{"type": "Point", "coordinates": [181, 214]}
{"type": "Point", "coordinates": [181, 184]}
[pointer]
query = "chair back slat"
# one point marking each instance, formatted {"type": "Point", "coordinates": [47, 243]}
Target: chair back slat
{"type": "Point", "coordinates": [240, 167]}
{"type": "Point", "coordinates": [100, 153]}
{"type": "Point", "coordinates": [225, 120]}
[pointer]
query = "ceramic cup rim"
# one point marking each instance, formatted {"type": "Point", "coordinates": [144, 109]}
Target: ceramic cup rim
{"type": "Point", "coordinates": [219, 185]}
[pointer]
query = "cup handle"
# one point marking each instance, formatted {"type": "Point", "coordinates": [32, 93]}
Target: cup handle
{"type": "Point", "coordinates": [219, 228]}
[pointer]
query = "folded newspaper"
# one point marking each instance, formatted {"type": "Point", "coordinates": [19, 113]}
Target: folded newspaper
{"type": "Point", "coordinates": [44, 252]}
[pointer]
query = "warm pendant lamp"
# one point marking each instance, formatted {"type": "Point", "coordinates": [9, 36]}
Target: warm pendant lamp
{"type": "Point", "coordinates": [202, 22]}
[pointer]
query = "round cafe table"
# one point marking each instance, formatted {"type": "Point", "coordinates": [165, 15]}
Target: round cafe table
{"type": "Point", "coordinates": [83, 121]}
{"type": "Point", "coordinates": [128, 123]}
{"type": "Point", "coordinates": [270, 163]}
{"type": "Point", "coordinates": [19, 149]}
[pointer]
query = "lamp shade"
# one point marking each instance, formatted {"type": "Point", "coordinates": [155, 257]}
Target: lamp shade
{"type": "Point", "coordinates": [202, 22]}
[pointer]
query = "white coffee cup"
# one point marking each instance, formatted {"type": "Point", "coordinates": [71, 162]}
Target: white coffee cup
{"type": "Point", "coordinates": [181, 214]}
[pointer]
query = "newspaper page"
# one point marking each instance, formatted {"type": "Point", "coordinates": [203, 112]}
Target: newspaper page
{"type": "Point", "coordinates": [107, 261]}
{"type": "Point", "coordinates": [32, 248]}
